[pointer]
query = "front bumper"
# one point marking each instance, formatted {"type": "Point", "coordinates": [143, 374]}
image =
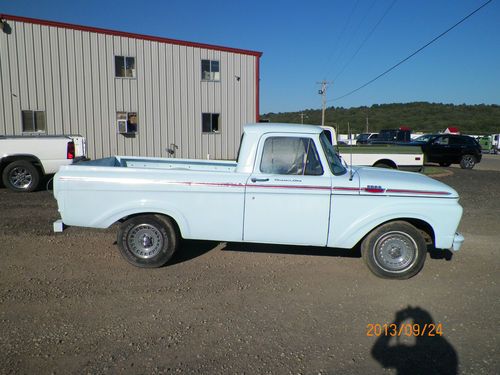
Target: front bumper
{"type": "Point", "coordinates": [458, 240]}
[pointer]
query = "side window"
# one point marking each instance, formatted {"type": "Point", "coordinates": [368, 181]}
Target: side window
{"type": "Point", "coordinates": [210, 70]}
{"type": "Point", "coordinates": [124, 67]}
{"type": "Point", "coordinates": [442, 140]}
{"type": "Point", "coordinates": [291, 156]}
{"type": "Point", "coordinates": [33, 121]}
{"type": "Point", "coordinates": [210, 123]}
{"type": "Point", "coordinates": [469, 141]}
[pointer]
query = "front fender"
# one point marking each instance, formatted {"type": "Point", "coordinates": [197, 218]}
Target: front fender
{"type": "Point", "coordinates": [351, 221]}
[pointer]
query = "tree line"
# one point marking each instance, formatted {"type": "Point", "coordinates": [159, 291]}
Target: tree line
{"type": "Point", "coordinates": [419, 116]}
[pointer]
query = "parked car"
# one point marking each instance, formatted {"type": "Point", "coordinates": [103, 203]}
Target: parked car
{"type": "Point", "coordinates": [447, 149]}
{"type": "Point", "coordinates": [364, 138]}
{"type": "Point", "coordinates": [24, 160]}
{"type": "Point", "coordinates": [288, 187]}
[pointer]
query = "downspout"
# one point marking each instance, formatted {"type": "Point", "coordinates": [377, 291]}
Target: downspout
{"type": "Point", "coordinates": [257, 87]}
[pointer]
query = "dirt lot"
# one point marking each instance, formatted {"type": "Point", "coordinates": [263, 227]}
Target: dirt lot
{"type": "Point", "coordinates": [70, 304]}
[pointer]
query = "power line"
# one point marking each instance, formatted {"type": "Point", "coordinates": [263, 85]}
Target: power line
{"type": "Point", "coordinates": [413, 54]}
{"type": "Point", "coordinates": [366, 38]}
{"type": "Point", "coordinates": [343, 50]}
{"type": "Point", "coordinates": [339, 37]}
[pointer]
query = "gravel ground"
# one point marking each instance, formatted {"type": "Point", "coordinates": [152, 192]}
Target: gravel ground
{"type": "Point", "coordinates": [70, 304]}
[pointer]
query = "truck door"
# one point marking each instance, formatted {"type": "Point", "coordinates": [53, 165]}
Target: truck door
{"type": "Point", "coordinates": [287, 197]}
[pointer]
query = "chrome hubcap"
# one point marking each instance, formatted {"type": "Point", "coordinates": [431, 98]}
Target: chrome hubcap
{"type": "Point", "coordinates": [469, 161]}
{"type": "Point", "coordinates": [20, 178]}
{"type": "Point", "coordinates": [145, 241]}
{"type": "Point", "coordinates": [395, 252]}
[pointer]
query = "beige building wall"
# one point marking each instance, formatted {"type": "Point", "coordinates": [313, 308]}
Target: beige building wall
{"type": "Point", "coordinates": [68, 72]}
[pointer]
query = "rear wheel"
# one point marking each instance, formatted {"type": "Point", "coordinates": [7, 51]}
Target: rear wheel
{"type": "Point", "coordinates": [148, 241]}
{"type": "Point", "coordinates": [467, 162]}
{"type": "Point", "coordinates": [21, 176]}
{"type": "Point", "coordinates": [395, 250]}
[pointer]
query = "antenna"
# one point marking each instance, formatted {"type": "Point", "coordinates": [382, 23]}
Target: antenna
{"type": "Point", "coordinates": [350, 150]}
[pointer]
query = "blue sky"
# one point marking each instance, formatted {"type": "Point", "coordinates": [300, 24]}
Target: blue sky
{"type": "Point", "coordinates": [306, 41]}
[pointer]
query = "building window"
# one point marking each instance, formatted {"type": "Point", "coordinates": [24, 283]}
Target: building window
{"type": "Point", "coordinates": [210, 70]}
{"type": "Point", "coordinates": [210, 122]}
{"type": "Point", "coordinates": [127, 122]}
{"type": "Point", "coordinates": [124, 67]}
{"type": "Point", "coordinates": [33, 121]}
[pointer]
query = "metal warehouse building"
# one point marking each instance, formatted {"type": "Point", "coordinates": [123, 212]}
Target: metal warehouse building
{"type": "Point", "coordinates": [128, 94]}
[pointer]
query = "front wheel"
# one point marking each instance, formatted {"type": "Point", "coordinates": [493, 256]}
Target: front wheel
{"type": "Point", "coordinates": [467, 162]}
{"type": "Point", "coordinates": [147, 241]}
{"type": "Point", "coordinates": [395, 250]}
{"type": "Point", "coordinates": [21, 176]}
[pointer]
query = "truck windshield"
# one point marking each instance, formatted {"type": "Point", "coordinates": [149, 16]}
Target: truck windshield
{"type": "Point", "coordinates": [334, 161]}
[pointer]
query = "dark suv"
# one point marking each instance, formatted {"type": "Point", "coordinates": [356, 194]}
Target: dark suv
{"type": "Point", "coordinates": [447, 149]}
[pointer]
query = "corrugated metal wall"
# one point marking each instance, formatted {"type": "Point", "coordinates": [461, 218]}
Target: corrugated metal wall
{"type": "Point", "coordinates": [70, 75]}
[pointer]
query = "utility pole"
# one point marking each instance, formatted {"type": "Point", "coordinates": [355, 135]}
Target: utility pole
{"type": "Point", "coordinates": [324, 84]}
{"type": "Point", "coordinates": [367, 124]}
{"type": "Point", "coordinates": [302, 115]}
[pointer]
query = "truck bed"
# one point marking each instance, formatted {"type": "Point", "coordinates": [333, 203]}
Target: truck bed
{"type": "Point", "coordinates": [163, 163]}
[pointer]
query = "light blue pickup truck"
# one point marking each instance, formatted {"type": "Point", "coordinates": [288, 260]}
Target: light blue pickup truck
{"type": "Point", "coordinates": [288, 187]}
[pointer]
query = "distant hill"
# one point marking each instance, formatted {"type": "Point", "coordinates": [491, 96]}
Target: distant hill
{"type": "Point", "coordinates": [419, 116]}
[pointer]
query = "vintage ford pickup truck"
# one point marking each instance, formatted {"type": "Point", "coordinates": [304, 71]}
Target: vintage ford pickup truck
{"type": "Point", "coordinates": [288, 186]}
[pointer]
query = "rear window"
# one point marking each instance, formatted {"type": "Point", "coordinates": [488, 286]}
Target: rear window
{"type": "Point", "coordinates": [462, 139]}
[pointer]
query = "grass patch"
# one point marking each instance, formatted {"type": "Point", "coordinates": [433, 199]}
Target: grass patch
{"type": "Point", "coordinates": [429, 171]}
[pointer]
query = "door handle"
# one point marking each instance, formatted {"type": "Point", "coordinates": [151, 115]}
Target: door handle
{"type": "Point", "coordinates": [255, 179]}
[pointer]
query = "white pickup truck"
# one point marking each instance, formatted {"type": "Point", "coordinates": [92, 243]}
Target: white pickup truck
{"type": "Point", "coordinates": [287, 187]}
{"type": "Point", "coordinates": [24, 160]}
{"type": "Point", "coordinates": [408, 158]}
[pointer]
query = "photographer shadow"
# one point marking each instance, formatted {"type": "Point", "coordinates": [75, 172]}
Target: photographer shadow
{"type": "Point", "coordinates": [430, 354]}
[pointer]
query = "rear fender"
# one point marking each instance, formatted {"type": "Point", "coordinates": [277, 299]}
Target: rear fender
{"type": "Point", "coordinates": [132, 208]}
{"type": "Point", "coordinates": [4, 161]}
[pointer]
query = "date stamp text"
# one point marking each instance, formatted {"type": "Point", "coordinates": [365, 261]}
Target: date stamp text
{"type": "Point", "coordinates": [404, 329]}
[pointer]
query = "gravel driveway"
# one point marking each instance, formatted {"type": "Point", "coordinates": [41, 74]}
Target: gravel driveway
{"type": "Point", "coordinates": [70, 304]}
